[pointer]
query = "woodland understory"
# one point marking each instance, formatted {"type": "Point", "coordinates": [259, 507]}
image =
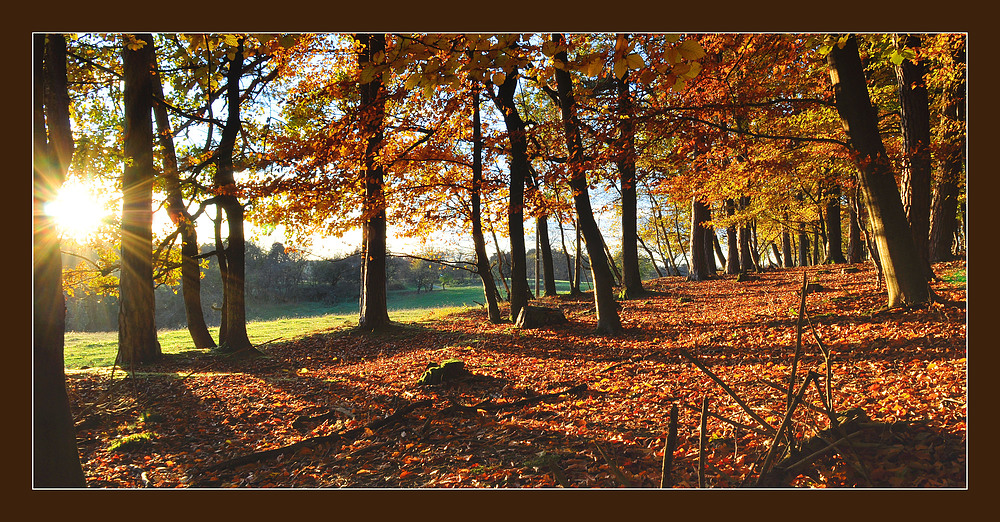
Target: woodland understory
{"type": "Point", "coordinates": [557, 406]}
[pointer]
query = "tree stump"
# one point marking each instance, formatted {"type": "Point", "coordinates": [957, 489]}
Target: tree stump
{"type": "Point", "coordinates": [536, 316]}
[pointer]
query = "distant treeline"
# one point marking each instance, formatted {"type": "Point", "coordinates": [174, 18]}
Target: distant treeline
{"type": "Point", "coordinates": [277, 276]}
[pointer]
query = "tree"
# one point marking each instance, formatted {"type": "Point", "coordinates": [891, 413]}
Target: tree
{"type": "Point", "coordinates": [374, 311]}
{"type": "Point", "coordinates": [951, 139]}
{"type": "Point", "coordinates": [608, 320]}
{"type": "Point", "coordinates": [625, 159]}
{"type": "Point", "coordinates": [834, 238]}
{"type": "Point", "coordinates": [179, 215]}
{"type": "Point", "coordinates": [482, 258]}
{"type": "Point", "coordinates": [904, 277]}
{"type": "Point", "coordinates": [137, 341]}
{"type": "Point", "coordinates": [916, 130]}
{"type": "Point", "coordinates": [55, 459]}
{"type": "Point", "coordinates": [232, 259]}
{"type": "Point", "coordinates": [698, 269]}
{"type": "Point", "coordinates": [516, 136]}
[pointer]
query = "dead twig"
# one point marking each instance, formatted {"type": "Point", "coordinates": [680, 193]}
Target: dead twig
{"type": "Point", "coordinates": [666, 478]}
{"type": "Point", "coordinates": [702, 443]}
{"type": "Point", "coordinates": [614, 467]}
{"type": "Point", "coordinates": [770, 430]}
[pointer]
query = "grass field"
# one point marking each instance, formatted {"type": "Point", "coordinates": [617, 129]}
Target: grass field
{"type": "Point", "coordinates": [95, 349]}
{"type": "Point", "coordinates": [287, 321]}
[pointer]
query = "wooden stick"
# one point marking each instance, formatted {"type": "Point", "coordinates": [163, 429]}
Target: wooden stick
{"type": "Point", "coordinates": [614, 467]}
{"type": "Point", "coordinates": [798, 340]}
{"type": "Point", "coordinates": [666, 480]}
{"type": "Point", "coordinates": [702, 443]}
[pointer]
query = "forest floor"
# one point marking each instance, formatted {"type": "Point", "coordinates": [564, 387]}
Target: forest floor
{"type": "Point", "coordinates": [556, 406]}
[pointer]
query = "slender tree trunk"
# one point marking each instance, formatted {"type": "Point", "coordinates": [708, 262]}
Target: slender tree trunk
{"type": "Point", "coordinates": [55, 458]}
{"type": "Point", "coordinates": [905, 279]}
{"type": "Point", "coordinates": [374, 312]}
{"type": "Point", "coordinates": [944, 205]}
{"type": "Point", "coordinates": [515, 209]}
{"type": "Point", "coordinates": [190, 270]}
{"type": "Point", "coordinates": [916, 130]}
{"type": "Point", "coordinates": [786, 244]}
{"type": "Point", "coordinates": [631, 276]}
{"type": "Point", "coordinates": [746, 249]}
{"type": "Point", "coordinates": [733, 242]}
{"type": "Point", "coordinates": [137, 342]}
{"type": "Point", "coordinates": [482, 259]}
{"type": "Point", "coordinates": [235, 339]}
{"type": "Point", "coordinates": [698, 269]}
{"type": "Point", "coordinates": [652, 259]}
{"type": "Point", "coordinates": [608, 321]}
{"type": "Point", "coordinates": [680, 242]}
{"type": "Point", "coordinates": [577, 289]}
{"type": "Point", "coordinates": [710, 241]}
{"type": "Point", "coordinates": [220, 256]}
{"type": "Point", "coordinates": [500, 256]}
{"type": "Point", "coordinates": [803, 246]}
{"type": "Point", "coordinates": [569, 260]}
{"type": "Point", "coordinates": [544, 245]}
{"type": "Point", "coordinates": [854, 245]}
{"type": "Point", "coordinates": [834, 237]}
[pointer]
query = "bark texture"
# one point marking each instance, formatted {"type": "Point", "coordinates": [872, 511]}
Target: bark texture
{"type": "Point", "coordinates": [137, 342]}
{"type": "Point", "coordinates": [904, 278]}
{"type": "Point", "coordinates": [916, 130]}
{"type": "Point", "coordinates": [698, 269]}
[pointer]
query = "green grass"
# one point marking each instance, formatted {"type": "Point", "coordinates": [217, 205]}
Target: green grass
{"type": "Point", "coordinates": [955, 276]}
{"type": "Point", "coordinates": [285, 322]}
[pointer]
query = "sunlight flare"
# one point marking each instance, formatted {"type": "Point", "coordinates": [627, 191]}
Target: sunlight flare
{"type": "Point", "coordinates": [77, 211]}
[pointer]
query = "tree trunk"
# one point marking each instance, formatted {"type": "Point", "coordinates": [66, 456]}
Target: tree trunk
{"type": "Point", "coordinates": [608, 321]}
{"type": "Point", "coordinates": [190, 270]}
{"type": "Point", "coordinates": [698, 269]}
{"type": "Point", "coordinates": [515, 209]}
{"type": "Point", "coordinates": [746, 250]}
{"type": "Point", "coordinates": [854, 244]}
{"type": "Point", "coordinates": [631, 276]}
{"type": "Point", "coordinates": [732, 240]}
{"type": "Point", "coordinates": [944, 205]}
{"type": "Point", "coordinates": [374, 311]}
{"type": "Point", "coordinates": [786, 244]}
{"type": "Point", "coordinates": [482, 259]}
{"type": "Point", "coordinates": [55, 458]}
{"type": "Point", "coordinates": [569, 260]}
{"type": "Point", "coordinates": [235, 339]}
{"type": "Point", "coordinates": [803, 246]}
{"type": "Point", "coordinates": [545, 246]}
{"type": "Point", "coordinates": [137, 342]}
{"type": "Point", "coordinates": [916, 165]}
{"type": "Point", "coordinates": [834, 237]}
{"type": "Point", "coordinates": [710, 241]}
{"type": "Point", "coordinates": [905, 279]}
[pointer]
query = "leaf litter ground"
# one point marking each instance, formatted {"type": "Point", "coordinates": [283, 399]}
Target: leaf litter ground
{"type": "Point", "coordinates": [185, 421]}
